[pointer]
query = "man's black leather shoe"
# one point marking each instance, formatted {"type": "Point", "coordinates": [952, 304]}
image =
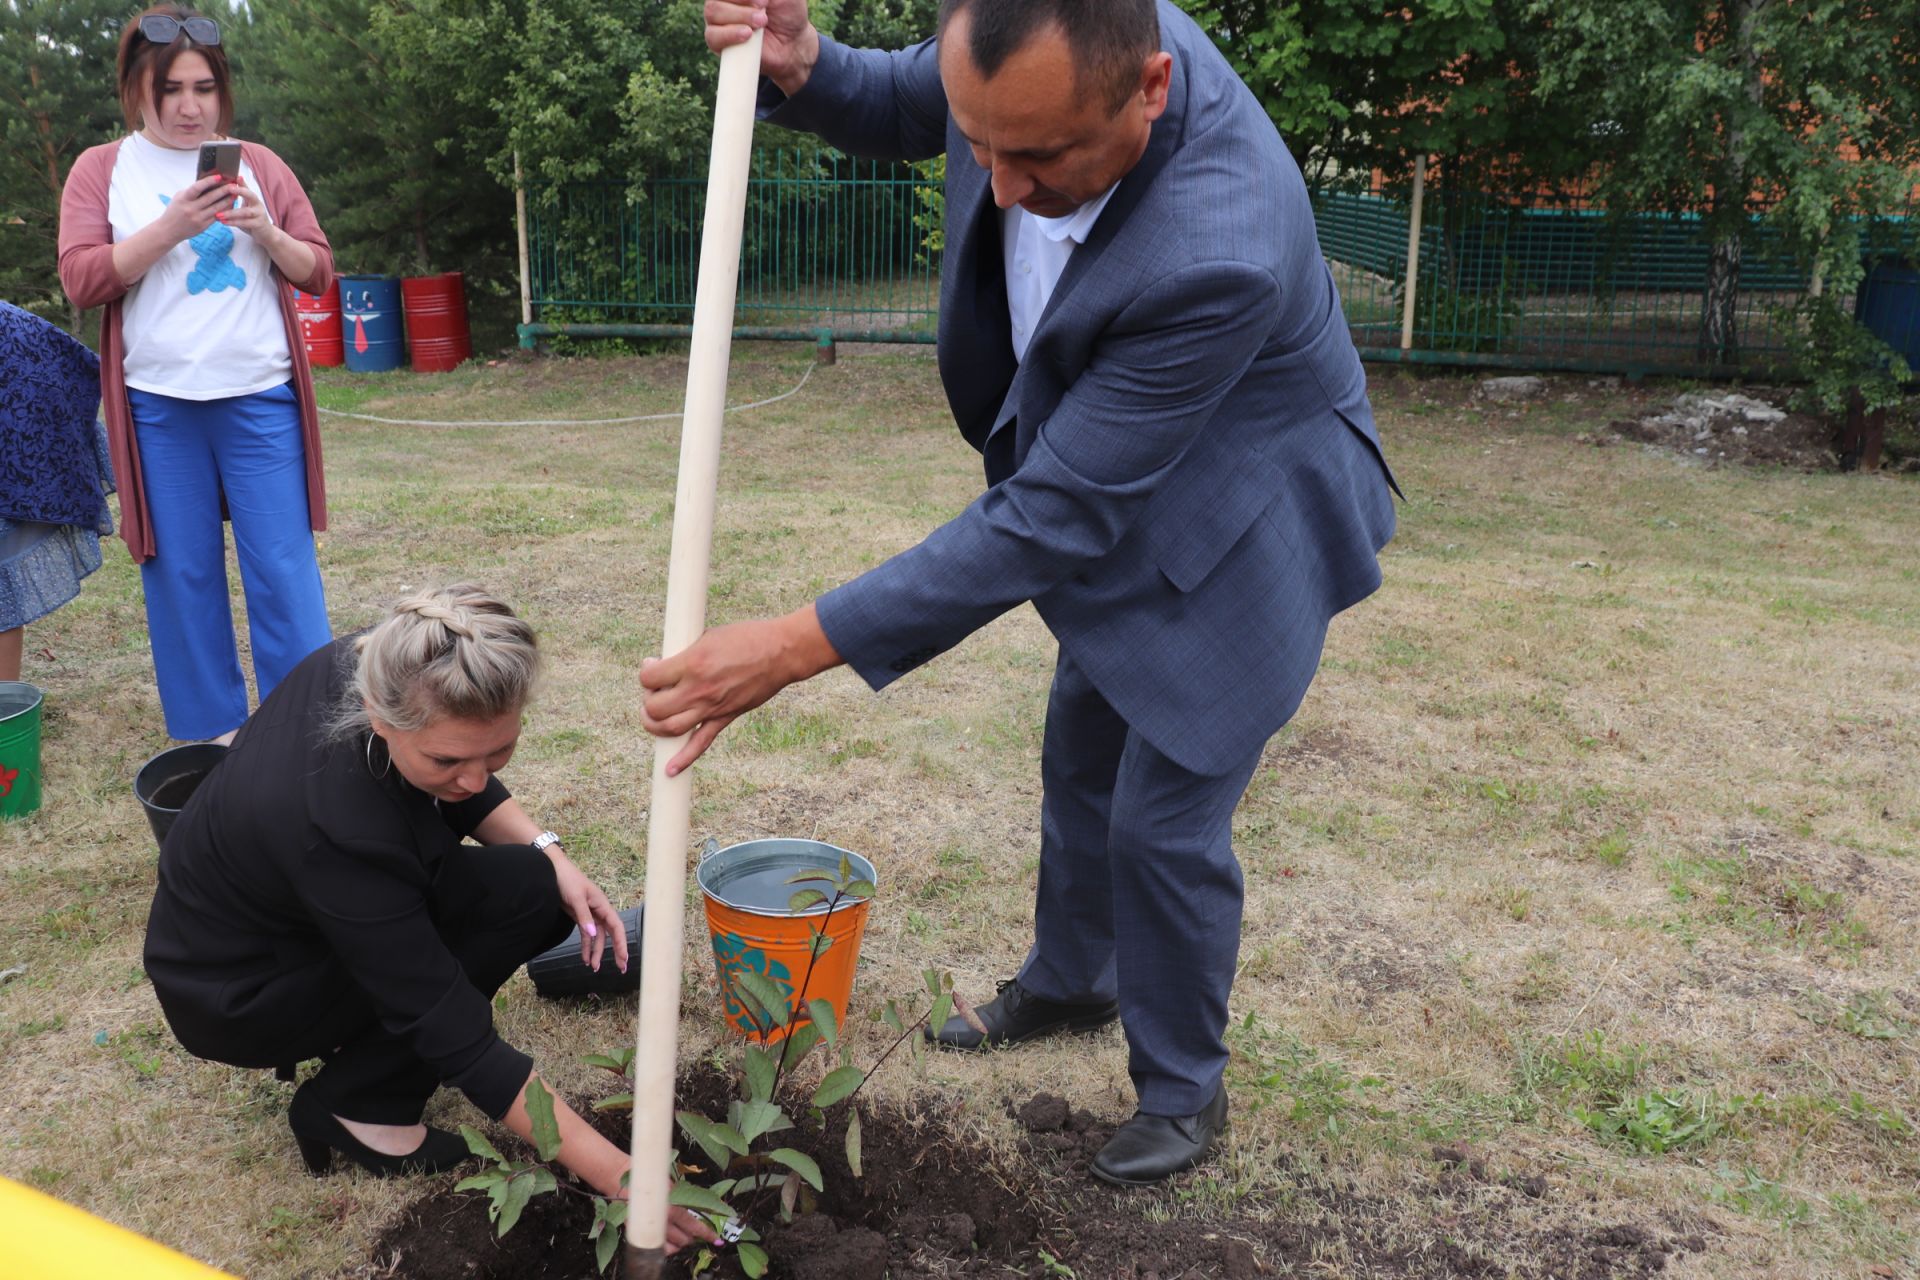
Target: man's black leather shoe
{"type": "Point", "coordinates": [1149, 1149]}
{"type": "Point", "coordinates": [1017, 1014]}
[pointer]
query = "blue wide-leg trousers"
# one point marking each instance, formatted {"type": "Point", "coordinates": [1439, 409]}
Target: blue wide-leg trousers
{"type": "Point", "coordinates": [192, 452]}
{"type": "Point", "coordinates": [1140, 893]}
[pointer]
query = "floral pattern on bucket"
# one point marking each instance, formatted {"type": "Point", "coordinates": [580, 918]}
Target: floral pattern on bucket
{"type": "Point", "coordinates": [732, 954]}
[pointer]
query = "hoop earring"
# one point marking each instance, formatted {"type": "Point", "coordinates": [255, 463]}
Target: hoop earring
{"type": "Point", "coordinates": [389, 765]}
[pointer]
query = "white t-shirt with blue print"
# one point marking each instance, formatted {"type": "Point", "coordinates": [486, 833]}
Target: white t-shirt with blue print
{"type": "Point", "coordinates": [204, 322]}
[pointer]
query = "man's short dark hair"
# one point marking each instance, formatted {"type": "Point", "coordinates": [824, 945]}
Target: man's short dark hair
{"type": "Point", "coordinates": [1110, 39]}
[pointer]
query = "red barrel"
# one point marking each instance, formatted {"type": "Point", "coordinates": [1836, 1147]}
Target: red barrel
{"type": "Point", "coordinates": [320, 325]}
{"type": "Point", "coordinates": [436, 311]}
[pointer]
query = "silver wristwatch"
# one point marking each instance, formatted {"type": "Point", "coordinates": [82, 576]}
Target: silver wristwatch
{"type": "Point", "coordinates": [544, 839]}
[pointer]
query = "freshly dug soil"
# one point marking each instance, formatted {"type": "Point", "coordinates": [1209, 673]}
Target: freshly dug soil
{"type": "Point", "coordinates": [931, 1204]}
{"type": "Point", "coordinates": [1731, 429]}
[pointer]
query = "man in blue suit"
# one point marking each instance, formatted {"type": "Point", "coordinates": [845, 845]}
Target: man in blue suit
{"type": "Point", "coordinates": [1139, 334]}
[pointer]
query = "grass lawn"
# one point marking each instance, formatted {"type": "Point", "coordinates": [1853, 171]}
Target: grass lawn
{"type": "Point", "coordinates": [1590, 857]}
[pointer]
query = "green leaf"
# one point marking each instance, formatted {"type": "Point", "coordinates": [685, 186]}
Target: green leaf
{"type": "Point", "coordinates": [546, 1129]}
{"type": "Point", "coordinates": [846, 871]}
{"type": "Point", "coordinates": [720, 1142]}
{"type": "Point", "coordinates": [757, 1118]}
{"type": "Point", "coordinates": [754, 1182]}
{"type": "Point", "coordinates": [756, 1012]}
{"type": "Point", "coordinates": [762, 1067]}
{"type": "Point", "coordinates": [819, 944]}
{"type": "Point", "coordinates": [797, 1045]}
{"type": "Point", "coordinates": [617, 1102]}
{"type": "Point", "coordinates": [606, 1213]}
{"type": "Point", "coordinates": [932, 978]}
{"type": "Point", "coordinates": [853, 1140]}
{"type": "Point", "coordinates": [516, 1194]}
{"type": "Point", "coordinates": [478, 1144]}
{"type": "Point", "coordinates": [604, 1248]}
{"type": "Point", "coordinates": [808, 875]}
{"type": "Point", "coordinates": [800, 901]}
{"type": "Point", "coordinates": [753, 1259]}
{"type": "Point", "coordinates": [891, 1016]}
{"type": "Point", "coordinates": [800, 1163]}
{"type": "Point", "coordinates": [771, 999]}
{"type": "Point", "coordinates": [860, 889]}
{"type": "Point", "coordinates": [621, 1063]}
{"type": "Point", "coordinates": [822, 1015]}
{"type": "Point", "coordinates": [840, 1082]}
{"type": "Point", "coordinates": [480, 1181]}
{"type": "Point", "coordinates": [691, 1196]}
{"type": "Point", "coordinates": [942, 1009]}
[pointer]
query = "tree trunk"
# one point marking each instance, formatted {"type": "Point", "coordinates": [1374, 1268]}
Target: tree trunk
{"type": "Point", "coordinates": [1862, 436]}
{"type": "Point", "coordinates": [1720, 309]}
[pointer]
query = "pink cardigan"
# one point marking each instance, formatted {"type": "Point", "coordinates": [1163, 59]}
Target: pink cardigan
{"type": "Point", "coordinates": [86, 271]}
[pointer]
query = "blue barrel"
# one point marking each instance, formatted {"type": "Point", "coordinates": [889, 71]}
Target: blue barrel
{"type": "Point", "coordinates": [1889, 306]}
{"type": "Point", "coordinates": [370, 323]}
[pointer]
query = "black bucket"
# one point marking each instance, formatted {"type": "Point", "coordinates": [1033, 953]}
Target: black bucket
{"type": "Point", "coordinates": [559, 971]}
{"type": "Point", "coordinates": [165, 782]}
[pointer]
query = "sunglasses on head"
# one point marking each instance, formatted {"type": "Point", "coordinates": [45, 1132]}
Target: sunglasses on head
{"type": "Point", "coordinates": [160, 28]}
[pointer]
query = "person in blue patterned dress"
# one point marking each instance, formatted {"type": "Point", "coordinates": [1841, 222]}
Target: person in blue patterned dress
{"type": "Point", "coordinates": [54, 477]}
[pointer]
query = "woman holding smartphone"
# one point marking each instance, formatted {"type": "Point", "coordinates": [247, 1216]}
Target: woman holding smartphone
{"type": "Point", "coordinates": [204, 379]}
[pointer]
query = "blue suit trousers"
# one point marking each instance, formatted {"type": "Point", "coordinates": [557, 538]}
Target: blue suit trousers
{"type": "Point", "coordinates": [193, 453]}
{"type": "Point", "coordinates": [1140, 893]}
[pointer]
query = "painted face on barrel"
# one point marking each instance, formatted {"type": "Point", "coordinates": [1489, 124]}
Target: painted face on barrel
{"type": "Point", "coordinates": [450, 759]}
{"type": "Point", "coordinates": [1051, 142]}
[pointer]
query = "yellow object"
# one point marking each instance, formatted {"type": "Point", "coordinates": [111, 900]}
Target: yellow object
{"type": "Point", "coordinates": [44, 1239]}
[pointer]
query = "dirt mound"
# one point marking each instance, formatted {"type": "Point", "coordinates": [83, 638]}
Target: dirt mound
{"type": "Point", "coordinates": [1732, 429]}
{"type": "Point", "coordinates": [933, 1204]}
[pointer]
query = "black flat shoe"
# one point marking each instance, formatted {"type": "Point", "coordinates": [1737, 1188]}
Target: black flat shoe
{"type": "Point", "coordinates": [318, 1135]}
{"type": "Point", "coordinates": [1017, 1014]}
{"type": "Point", "coordinates": [1149, 1149]}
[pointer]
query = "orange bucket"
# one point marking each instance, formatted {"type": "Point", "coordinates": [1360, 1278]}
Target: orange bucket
{"type": "Point", "coordinates": [746, 887]}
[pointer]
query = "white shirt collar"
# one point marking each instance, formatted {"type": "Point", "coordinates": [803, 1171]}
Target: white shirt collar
{"type": "Point", "coordinates": [1077, 225]}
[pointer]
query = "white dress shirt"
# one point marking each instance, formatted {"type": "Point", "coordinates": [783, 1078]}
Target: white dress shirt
{"type": "Point", "coordinates": [1036, 251]}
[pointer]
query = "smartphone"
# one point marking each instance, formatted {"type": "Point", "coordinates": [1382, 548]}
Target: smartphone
{"type": "Point", "coordinates": [222, 158]}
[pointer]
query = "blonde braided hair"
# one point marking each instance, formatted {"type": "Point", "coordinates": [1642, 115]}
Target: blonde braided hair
{"type": "Point", "coordinates": [453, 651]}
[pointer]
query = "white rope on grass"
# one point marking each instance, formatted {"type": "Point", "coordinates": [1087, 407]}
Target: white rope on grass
{"type": "Point", "coordinates": [565, 422]}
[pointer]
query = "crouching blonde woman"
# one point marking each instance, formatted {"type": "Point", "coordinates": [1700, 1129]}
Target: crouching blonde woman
{"type": "Point", "coordinates": [317, 897]}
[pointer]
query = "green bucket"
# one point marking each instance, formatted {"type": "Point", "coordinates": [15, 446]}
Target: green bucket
{"type": "Point", "coordinates": [19, 749]}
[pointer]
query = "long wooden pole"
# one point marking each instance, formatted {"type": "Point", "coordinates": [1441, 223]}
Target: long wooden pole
{"type": "Point", "coordinates": [1413, 253]}
{"type": "Point", "coordinates": [656, 1052]}
{"type": "Point", "coordinates": [520, 232]}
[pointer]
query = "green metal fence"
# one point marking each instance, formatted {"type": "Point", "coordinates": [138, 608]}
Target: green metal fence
{"type": "Point", "coordinates": [837, 248]}
{"type": "Point", "coordinates": [1547, 280]}
{"type": "Point", "coordinates": [832, 246]}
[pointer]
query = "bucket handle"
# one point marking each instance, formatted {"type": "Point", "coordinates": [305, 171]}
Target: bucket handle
{"type": "Point", "coordinates": [708, 848]}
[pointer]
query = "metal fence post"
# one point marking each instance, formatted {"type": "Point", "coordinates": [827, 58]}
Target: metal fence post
{"type": "Point", "coordinates": [1413, 252]}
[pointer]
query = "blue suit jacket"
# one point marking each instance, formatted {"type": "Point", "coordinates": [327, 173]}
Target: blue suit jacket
{"type": "Point", "coordinates": [1184, 476]}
